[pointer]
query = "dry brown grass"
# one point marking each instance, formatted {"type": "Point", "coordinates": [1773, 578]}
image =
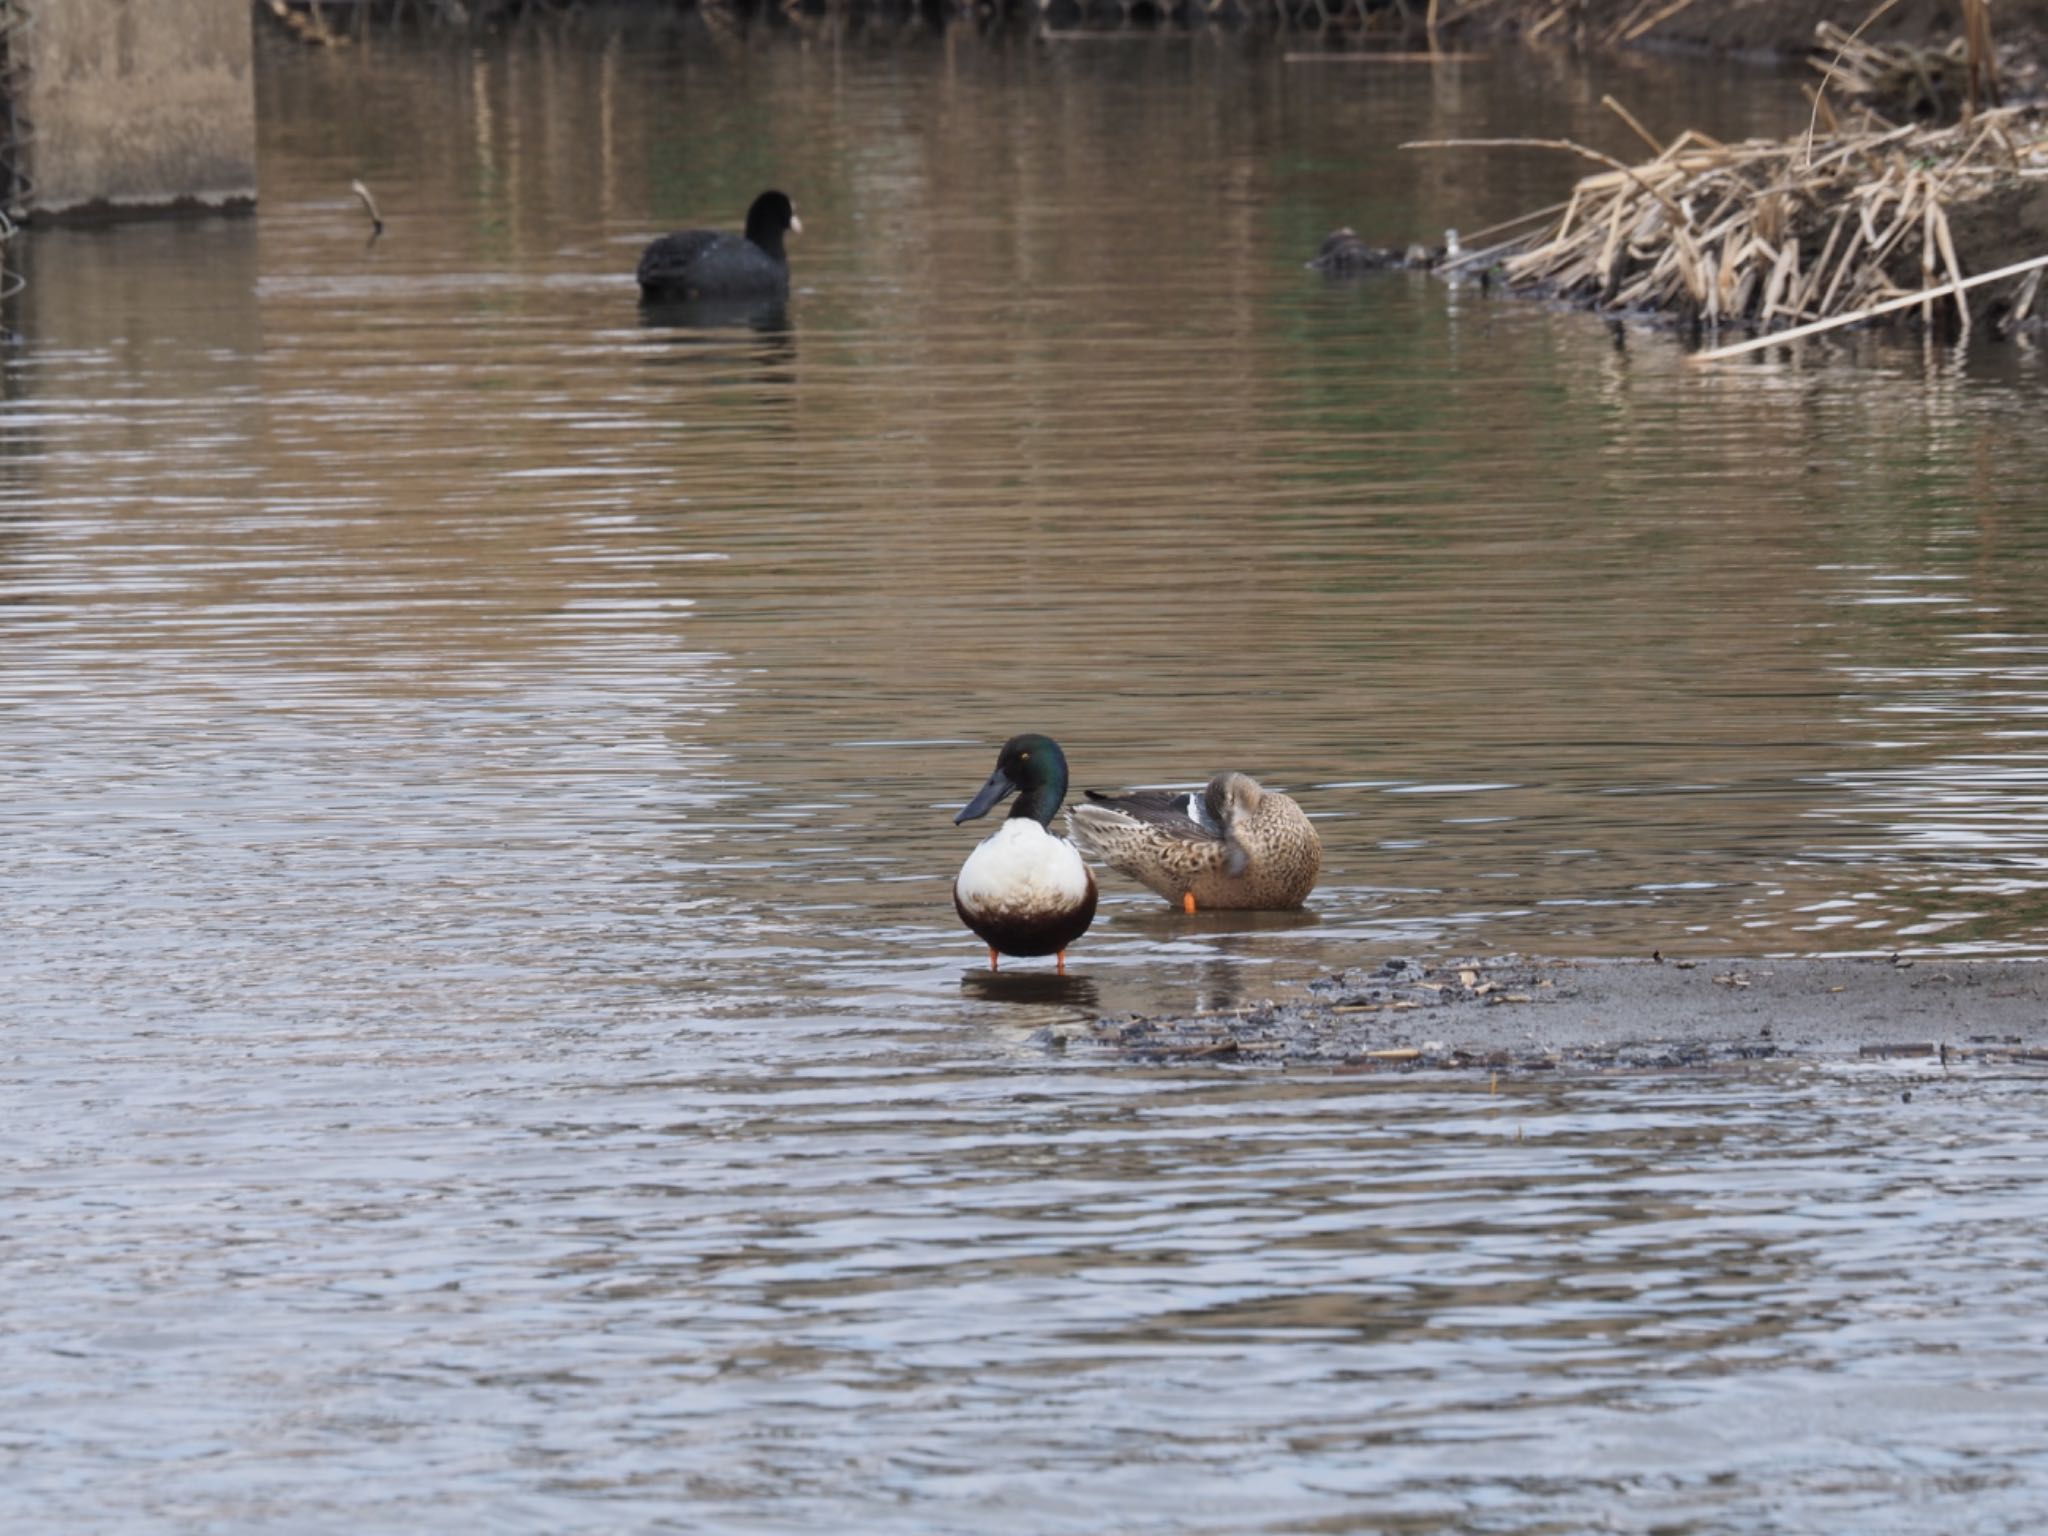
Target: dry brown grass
{"type": "Point", "coordinates": [1770, 234]}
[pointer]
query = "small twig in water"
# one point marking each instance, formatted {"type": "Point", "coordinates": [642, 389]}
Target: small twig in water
{"type": "Point", "coordinates": [369, 202]}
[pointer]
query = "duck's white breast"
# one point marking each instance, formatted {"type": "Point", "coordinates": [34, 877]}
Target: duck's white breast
{"type": "Point", "coordinates": [1022, 868]}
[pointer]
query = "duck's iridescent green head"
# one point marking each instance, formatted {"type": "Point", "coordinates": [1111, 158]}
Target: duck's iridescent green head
{"type": "Point", "coordinates": [1031, 767]}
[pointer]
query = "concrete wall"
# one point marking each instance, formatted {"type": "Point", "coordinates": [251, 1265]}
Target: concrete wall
{"type": "Point", "coordinates": [137, 105]}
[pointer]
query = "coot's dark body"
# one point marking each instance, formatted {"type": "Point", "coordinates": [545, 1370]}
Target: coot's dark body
{"type": "Point", "coordinates": [710, 264]}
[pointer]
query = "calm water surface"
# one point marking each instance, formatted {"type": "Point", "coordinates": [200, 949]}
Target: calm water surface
{"type": "Point", "coordinates": [483, 1034]}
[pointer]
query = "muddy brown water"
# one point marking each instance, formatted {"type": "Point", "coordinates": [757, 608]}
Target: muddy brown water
{"type": "Point", "coordinates": [484, 1037]}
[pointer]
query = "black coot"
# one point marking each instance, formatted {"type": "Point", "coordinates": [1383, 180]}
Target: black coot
{"type": "Point", "coordinates": [709, 264]}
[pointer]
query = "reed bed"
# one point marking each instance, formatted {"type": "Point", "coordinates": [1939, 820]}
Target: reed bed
{"type": "Point", "coordinates": [1770, 235]}
{"type": "Point", "coordinates": [1905, 80]}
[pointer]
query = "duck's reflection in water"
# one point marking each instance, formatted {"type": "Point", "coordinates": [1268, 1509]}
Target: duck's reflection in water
{"type": "Point", "coordinates": [1041, 988]}
{"type": "Point", "coordinates": [1222, 986]}
{"type": "Point", "coordinates": [1164, 922]}
{"type": "Point", "coordinates": [754, 332]}
{"type": "Point", "coordinates": [767, 316]}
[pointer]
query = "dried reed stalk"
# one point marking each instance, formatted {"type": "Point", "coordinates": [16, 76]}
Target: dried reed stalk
{"type": "Point", "coordinates": [1761, 233]}
{"type": "Point", "coordinates": [2033, 265]}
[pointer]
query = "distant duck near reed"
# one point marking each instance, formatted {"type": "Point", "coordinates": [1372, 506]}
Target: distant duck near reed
{"type": "Point", "coordinates": [710, 264]}
{"type": "Point", "coordinates": [1234, 846]}
{"type": "Point", "coordinates": [1343, 254]}
{"type": "Point", "coordinates": [1024, 890]}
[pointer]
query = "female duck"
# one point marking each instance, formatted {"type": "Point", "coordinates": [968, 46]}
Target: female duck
{"type": "Point", "coordinates": [1023, 890]}
{"type": "Point", "coordinates": [1234, 846]}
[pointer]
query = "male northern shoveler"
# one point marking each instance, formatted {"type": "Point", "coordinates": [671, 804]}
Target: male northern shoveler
{"type": "Point", "coordinates": [1233, 846]}
{"type": "Point", "coordinates": [1025, 891]}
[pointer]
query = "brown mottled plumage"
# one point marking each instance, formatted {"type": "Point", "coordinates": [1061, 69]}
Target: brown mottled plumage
{"type": "Point", "coordinates": [1234, 846]}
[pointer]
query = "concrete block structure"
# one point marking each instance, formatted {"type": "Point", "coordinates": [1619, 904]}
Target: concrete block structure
{"type": "Point", "coordinates": [126, 107]}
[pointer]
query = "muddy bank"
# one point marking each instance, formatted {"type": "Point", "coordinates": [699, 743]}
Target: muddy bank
{"type": "Point", "coordinates": [1755, 28]}
{"type": "Point", "coordinates": [1748, 28]}
{"type": "Point", "coordinates": [1504, 1014]}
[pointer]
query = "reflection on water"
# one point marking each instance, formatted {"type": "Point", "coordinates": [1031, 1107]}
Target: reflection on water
{"type": "Point", "coordinates": [487, 1034]}
{"type": "Point", "coordinates": [768, 316]}
{"type": "Point", "coordinates": [1036, 988]}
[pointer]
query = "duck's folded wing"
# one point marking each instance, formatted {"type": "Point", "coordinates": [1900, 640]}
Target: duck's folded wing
{"type": "Point", "coordinates": [1179, 814]}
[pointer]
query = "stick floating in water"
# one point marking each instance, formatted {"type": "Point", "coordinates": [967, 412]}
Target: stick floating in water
{"type": "Point", "coordinates": [1904, 301]}
{"type": "Point", "coordinates": [369, 202]}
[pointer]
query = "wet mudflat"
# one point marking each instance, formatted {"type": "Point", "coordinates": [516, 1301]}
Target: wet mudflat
{"type": "Point", "coordinates": [483, 1034]}
{"type": "Point", "coordinates": [1505, 1012]}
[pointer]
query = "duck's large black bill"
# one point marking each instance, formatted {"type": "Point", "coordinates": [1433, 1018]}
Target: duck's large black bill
{"type": "Point", "coordinates": [993, 791]}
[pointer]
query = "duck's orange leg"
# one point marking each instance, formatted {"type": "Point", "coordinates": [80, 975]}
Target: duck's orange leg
{"type": "Point", "coordinates": [1187, 903]}
{"type": "Point", "coordinates": [1060, 962]}
{"type": "Point", "coordinates": [992, 957]}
